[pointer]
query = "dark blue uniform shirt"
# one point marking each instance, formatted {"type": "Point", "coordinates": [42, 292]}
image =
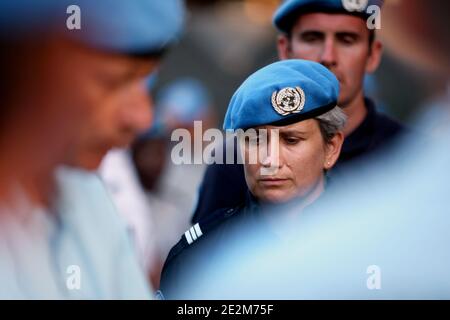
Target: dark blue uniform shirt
{"type": "Point", "coordinates": [212, 241]}
{"type": "Point", "coordinates": [222, 240]}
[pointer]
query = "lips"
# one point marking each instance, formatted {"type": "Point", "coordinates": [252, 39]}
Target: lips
{"type": "Point", "coordinates": [272, 181]}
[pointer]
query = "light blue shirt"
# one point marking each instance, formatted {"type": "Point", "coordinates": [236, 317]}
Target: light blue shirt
{"type": "Point", "coordinates": [80, 250]}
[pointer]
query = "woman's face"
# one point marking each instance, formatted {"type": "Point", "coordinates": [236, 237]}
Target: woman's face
{"type": "Point", "coordinates": [299, 166]}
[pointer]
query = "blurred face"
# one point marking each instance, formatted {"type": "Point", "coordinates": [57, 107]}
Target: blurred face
{"type": "Point", "coordinates": [302, 158]}
{"type": "Point", "coordinates": [49, 99]}
{"type": "Point", "coordinates": [338, 41]}
{"type": "Point", "coordinates": [118, 104]}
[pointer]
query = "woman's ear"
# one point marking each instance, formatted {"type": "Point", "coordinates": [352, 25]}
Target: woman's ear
{"type": "Point", "coordinates": [333, 150]}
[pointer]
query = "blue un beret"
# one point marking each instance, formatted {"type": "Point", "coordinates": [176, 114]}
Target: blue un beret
{"type": "Point", "coordinates": [286, 15]}
{"type": "Point", "coordinates": [131, 26]}
{"type": "Point", "coordinates": [282, 93]}
{"type": "Point", "coordinates": [123, 26]}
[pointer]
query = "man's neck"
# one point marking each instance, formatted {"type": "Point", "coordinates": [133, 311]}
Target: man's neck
{"type": "Point", "coordinates": [356, 112]}
{"type": "Point", "coordinates": [36, 185]}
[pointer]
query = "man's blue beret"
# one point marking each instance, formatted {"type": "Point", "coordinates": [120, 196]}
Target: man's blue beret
{"type": "Point", "coordinates": [287, 14]}
{"type": "Point", "coordinates": [123, 26]}
{"type": "Point", "coordinates": [135, 26]}
{"type": "Point", "coordinates": [282, 93]}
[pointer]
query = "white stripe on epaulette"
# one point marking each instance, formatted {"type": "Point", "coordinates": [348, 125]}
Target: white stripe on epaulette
{"type": "Point", "coordinates": [193, 233]}
{"type": "Point", "coordinates": [188, 237]}
{"type": "Point", "coordinates": [198, 230]}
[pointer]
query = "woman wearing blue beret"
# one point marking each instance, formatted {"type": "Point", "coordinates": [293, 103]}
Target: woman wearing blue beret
{"type": "Point", "coordinates": [296, 99]}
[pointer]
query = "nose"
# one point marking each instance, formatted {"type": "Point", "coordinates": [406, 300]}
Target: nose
{"type": "Point", "coordinates": [138, 109]}
{"type": "Point", "coordinates": [328, 57]}
{"type": "Point", "coordinates": [271, 155]}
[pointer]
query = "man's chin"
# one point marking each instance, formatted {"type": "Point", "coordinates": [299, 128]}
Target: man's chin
{"type": "Point", "coordinates": [89, 162]}
{"type": "Point", "coordinates": [343, 102]}
{"type": "Point", "coordinates": [92, 165]}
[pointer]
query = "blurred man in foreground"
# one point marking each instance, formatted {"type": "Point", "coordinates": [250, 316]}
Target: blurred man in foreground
{"type": "Point", "coordinates": [60, 235]}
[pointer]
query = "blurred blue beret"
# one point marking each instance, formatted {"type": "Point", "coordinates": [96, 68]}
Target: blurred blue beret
{"type": "Point", "coordinates": [286, 15]}
{"type": "Point", "coordinates": [124, 26]}
{"type": "Point", "coordinates": [282, 93]}
{"type": "Point", "coordinates": [132, 26]}
{"type": "Point", "coordinates": [184, 100]}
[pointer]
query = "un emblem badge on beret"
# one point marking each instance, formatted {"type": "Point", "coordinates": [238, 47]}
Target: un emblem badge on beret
{"type": "Point", "coordinates": [355, 5]}
{"type": "Point", "coordinates": [288, 100]}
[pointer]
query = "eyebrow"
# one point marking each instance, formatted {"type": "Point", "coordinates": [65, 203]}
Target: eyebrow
{"type": "Point", "coordinates": [348, 34]}
{"type": "Point", "coordinates": [313, 32]}
{"type": "Point", "coordinates": [133, 71]}
{"type": "Point", "coordinates": [292, 132]}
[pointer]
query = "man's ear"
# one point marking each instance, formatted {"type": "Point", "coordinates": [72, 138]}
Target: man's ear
{"type": "Point", "coordinates": [333, 150]}
{"type": "Point", "coordinates": [375, 55]}
{"type": "Point", "coordinates": [283, 47]}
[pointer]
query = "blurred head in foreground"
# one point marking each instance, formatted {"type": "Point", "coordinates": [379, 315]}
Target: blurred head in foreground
{"type": "Point", "coordinates": [70, 94]}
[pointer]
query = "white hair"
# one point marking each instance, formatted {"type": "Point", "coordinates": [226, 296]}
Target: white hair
{"type": "Point", "coordinates": [331, 122]}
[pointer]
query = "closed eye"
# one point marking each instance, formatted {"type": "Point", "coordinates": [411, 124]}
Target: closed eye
{"type": "Point", "coordinates": [312, 36]}
{"type": "Point", "coordinates": [347, 38]}
{"type": "Point", "coordinates": [291, 140]}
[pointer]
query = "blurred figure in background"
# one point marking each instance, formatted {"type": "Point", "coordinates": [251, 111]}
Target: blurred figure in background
{"type": "Point", "coordinates": [391, 241]}
{"type": "Point", "coordinates": [324, 32]}
{"type": "Point", "coordinates": [121, 178]}
{"type": "Point", "coordinates": [83, 94]}
{"type": "Point", "coordinates": [181, 103]}
{"type": "Point", "coordinates": [424, 47]}
{"type": "Point", "coordinates": [155, 196]}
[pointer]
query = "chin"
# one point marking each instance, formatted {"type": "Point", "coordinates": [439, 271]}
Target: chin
{"type": "Point", "coordinates": [90, 162]}
{"type": "Point", "coordinates": [276, 197]}
{"type": "Point", "coordinates": [92, 166]}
